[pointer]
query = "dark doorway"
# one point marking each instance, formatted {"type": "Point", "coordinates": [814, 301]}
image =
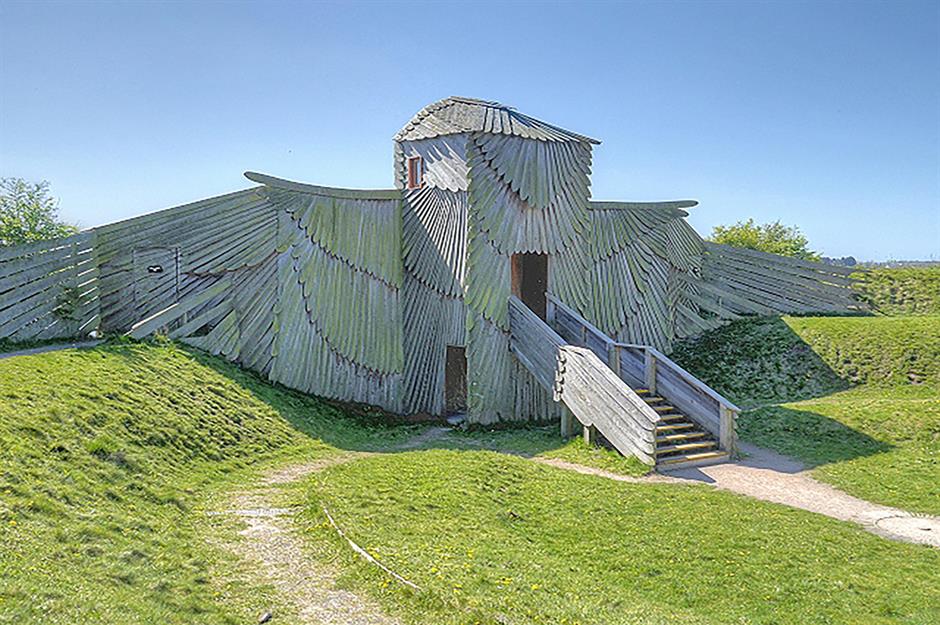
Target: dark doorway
{"type": "Point", "coordinates": [530, 280]}
{"type": "Point", "coordinates": [455, 381]}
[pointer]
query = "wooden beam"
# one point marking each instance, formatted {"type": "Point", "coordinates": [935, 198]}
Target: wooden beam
{"type": "Point", "coordinates": [170, 314]}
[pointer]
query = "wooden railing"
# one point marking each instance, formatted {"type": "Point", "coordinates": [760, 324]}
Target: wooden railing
{"type": "Point", "coordinates": [588, 388]}
{"type": "Point", "coordinates": [643, 366]}
{"type": "Point", "coordinates": [49, 289]}
{"type": "Point", "coordinates": [649, 368]}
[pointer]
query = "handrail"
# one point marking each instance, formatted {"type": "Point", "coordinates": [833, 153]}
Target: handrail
{"type": "Point", "coordinates": [590, 391]}
{"type": "Point", "coordinates": [688, 377]}
{"type": "Point", "coordinates": [533, 342]}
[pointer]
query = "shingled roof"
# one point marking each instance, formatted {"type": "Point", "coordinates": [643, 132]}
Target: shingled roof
{"type": "Point", "coordinates": [455, 115]}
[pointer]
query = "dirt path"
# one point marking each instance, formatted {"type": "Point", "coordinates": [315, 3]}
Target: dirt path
{"type": "Point", "coordinates": [271, 543]}
{"type": "Point", "coordinates": [769, 476]}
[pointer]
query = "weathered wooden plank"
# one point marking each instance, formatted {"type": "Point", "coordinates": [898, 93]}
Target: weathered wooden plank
{"type": "Point", "coordinates": [173, 312]}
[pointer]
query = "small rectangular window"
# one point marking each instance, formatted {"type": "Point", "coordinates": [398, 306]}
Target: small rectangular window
{"type": "Point", "coordinates": [415, 172]}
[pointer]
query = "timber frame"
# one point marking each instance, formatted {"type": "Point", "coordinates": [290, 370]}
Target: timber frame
{"type": "Point", "coordinates": [356, 295]}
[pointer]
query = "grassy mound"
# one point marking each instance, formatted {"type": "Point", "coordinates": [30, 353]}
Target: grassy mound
{"type": "Point", "coordinates": [105, 455]}
{"type": "Point", "coordinates": [764, 360]}
{"type": "Point", "coordinates": [496, 539]}
{"type": "Point", "coordinates": [901, 291]}
{"type": "Point", "coordinates": [879, 440]}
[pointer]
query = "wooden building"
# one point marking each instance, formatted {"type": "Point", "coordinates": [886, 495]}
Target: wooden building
{"type": "Point", "coordinates": [403, 298]}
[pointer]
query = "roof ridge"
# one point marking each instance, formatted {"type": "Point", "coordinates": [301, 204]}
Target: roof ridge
{"type": "Point", "coordinates": [490, 103]}
{"type": "Point", "coordinates": [426, 125]}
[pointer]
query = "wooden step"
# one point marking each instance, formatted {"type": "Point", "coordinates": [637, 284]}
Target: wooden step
{"type": "Point", "coordinates": [641, 391]}
{"type": "Point", "coordinates": [653, 400]}
{"type": "Point", "coordinates": [674, 417]}
{"type": "Point", "coordinates": [672, 427]}
{"type": "Point", "coordinates": [667, 449]}
{"type": "Point", "coordinates": [664, 408]}
{"type": "Point", "coordinates": [679, 436]}
{"type": "Point", "coordinates": [692, 460]}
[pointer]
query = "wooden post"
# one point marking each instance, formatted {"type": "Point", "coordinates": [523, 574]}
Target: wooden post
{"type": "Point", "coordinates": [726, 419]}
{"type": "Point", "coordinates": [590, 434]}
{"type": "Point", "coordinates": [549, 311]}
{"type": "Point", "coordinates": [649, 370]}
{"type": "Point", "coordinates": [567, 422]}
{"type": "Point", "coordinates": [613, 358]}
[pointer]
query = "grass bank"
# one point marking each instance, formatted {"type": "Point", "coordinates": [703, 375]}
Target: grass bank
{"type": "Point", "coordinates": [901, 291]}
{"type": "Point", "coordinates": [857, 398]}
{"type": "Point", "coordinates": [112, 455]}
{"type": "Point", "coordinates": [107, 454]}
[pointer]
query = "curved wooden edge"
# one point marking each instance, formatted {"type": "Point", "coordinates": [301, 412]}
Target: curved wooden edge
{"type": "Point", "coordinates": [290, 185]}
{"type": "Point", "coordinates": [614, 205]}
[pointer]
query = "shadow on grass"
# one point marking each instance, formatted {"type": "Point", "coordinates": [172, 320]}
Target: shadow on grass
{"type": "Point", "coordinates": [811, 437]}
{"type": "Point", "coordinates": [762, 361]}
{"type": "Point", "coordinates": [758, 361]}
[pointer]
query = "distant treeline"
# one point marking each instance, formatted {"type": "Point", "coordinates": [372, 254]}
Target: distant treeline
{"type": "Point", "coordinates": [850, 261]}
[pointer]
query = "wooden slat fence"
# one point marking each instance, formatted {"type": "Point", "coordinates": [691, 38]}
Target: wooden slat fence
{"type": "Point", "coordinates": [593, 393]}
{"type": "Point", "coordinates": [49, 289]}
{"type": "Point", "coordinates": [750, 282]}
{"type": "Point", "coordinates": [643, 366]}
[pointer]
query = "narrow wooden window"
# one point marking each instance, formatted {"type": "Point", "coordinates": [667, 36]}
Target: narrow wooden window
{"type": "Point", "coordinates": [415, 172]}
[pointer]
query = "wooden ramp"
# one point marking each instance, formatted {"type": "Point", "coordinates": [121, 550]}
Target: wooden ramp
{"type": "Point", "coordinates": [633, 396]}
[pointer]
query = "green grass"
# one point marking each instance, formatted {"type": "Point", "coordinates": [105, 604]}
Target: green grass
{"type": "Point", "coordinates": [111, 457]}
{"type": "Point", "coordinates": [771, 360]}
{"type": "Point", "coordinates": [107, 456]}
{"type": "Point", "coordinates": [544, 442]}
{"type": "Point", "coordinates": [857, 398]}
{"type": "Point", "coordinates": [497, 539]}
{"type": "Point", "coordinates": [880, 444]}
{"type": "Point", "coordinates": [901, 291]}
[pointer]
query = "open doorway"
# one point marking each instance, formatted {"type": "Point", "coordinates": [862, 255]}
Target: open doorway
{"type": "Point", "coordinates": [455, 381]}
{"type": "Point", "coordinates": [530, 280]}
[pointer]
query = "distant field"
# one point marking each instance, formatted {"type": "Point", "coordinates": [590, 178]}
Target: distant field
{"type": "Point", "coordinates": [902, 291]}
{"type": "Point", "coordinates": [856, 397]}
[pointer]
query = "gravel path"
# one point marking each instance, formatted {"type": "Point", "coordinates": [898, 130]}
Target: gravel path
{"type": "Point", "coordinates": [271, 543]}
{"type": "Point", "coordinates": [770, 476]}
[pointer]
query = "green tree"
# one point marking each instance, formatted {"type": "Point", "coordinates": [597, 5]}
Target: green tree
{"type": "Point", "coordinates": [29, 213]}
{"type": "Point", "coordinates": [773, 237]}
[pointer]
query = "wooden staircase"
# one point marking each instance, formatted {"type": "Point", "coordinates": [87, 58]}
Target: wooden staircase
{"type": "Point", "coordinates": [680, 442]}
{"type": "Point", "coordinates": [631, 397]}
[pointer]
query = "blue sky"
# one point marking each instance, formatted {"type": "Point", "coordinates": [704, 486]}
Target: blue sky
{"type": "Point", "coordinates": [823, 114]}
